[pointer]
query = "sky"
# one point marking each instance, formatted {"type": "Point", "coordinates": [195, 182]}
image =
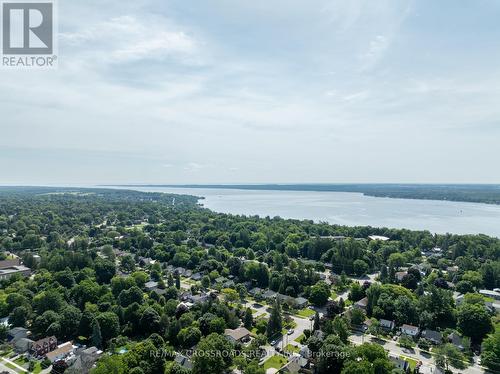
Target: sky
{"type": "Point", "coordinates": [282, 91]}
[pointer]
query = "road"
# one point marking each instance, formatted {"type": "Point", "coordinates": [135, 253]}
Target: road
{"type": "Point", "coordinates": [415, 353]}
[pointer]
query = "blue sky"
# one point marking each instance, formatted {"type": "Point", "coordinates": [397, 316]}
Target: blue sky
{"type": "Point", "coordinates": [260, 91]}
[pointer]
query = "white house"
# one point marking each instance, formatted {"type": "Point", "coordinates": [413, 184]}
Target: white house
{"type": "Point", "coordinates": [410, 330]}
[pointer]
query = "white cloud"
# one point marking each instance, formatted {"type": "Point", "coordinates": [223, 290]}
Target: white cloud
{"type": "Point", "coordinates": [128, 38]}
{"type": "Point", "coordinates": [376, 49]}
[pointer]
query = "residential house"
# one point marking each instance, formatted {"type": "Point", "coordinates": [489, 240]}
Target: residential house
{"type": "Point", "coordinates": [151, 285]}
{"type": "Point", "coordinates": [146, 261]}
{"type": "Point", "coordinates": [85, 360]}
{"type": "Point", "coordinates": [290, 367]}
{"type": "Point", "coordinates": [459, 299]}
{"type": "Point", "coordinates": [43, 346]}
{"type": "Point", "coordinates": [305, 351]}
{"type": "Point", "coordinates": [491, 294]}
{"type": "Point", "coordinates": [200, 298]}
{"type": "Point", "coordinates": [269, 294]}
{"type": "Point", "coordinates": [183, 361]}
{"type": "Point", "coordinates": [8, 268]}
{"type": "Point", "coordinates": [400, 275]}
{"type": "Point", "coordinates": [188, 273]}
{"type": "Point", "coordinates": [220, 280]}
{"type": "Point", "coordinates": [180, 270]}
{"type": "Point", "coordinates": [255, 291]}
{"type": "Point", "coordinates": [22, 345]}
{"type": "Point", "coordinates": [457, 340]}
{"type": "Point", "coordinates": [387, 325]}
{"type": "Point", "coordinates": [361, 304]}
{"type": "Point", "coordinates": [433, 336]}
{"type": "Point", "coordinates": [17, 333]}
{"type": "Point", "coordinates": [301, 302]}
{"type": "Point", "coordinates": [196, 276]}
{"type": "Point", "coordinates": [400, 363]}
{"type": "Point", "coordinates": [319, 334]}
{"type": "Point", "coordinates": [159, 291]}
{"type": "Point", "coordinates": [238, 335]}
{"type": "Point", "coordinates": [410, 330]}
{"type": "Point", "coordinates": [61, 352]}
{"type": "Point", "coordinates": [378, 237]}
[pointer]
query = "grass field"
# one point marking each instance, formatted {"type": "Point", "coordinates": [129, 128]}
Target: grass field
{"type": "Point", "coordinates": [306, 313]}
{"type": "Point", "coordinates": [292, 348]}
{"type": "Point", "coordinates": [411, 361]}
{"type": "Point", "coordinates": [299, 338]}
{"type": "Point", "coordinates": [274, 362]}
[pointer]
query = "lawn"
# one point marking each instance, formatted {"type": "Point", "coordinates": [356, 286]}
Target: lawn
{"type": "Point", "coordinates": [292, 348]}
{"type": "Point", "coordinates": [37, 368]}
{"type": "Point", "coordinates": [306, 312]}
{"type": "Point", "coordinates": [275, 362]}
{"type": "Point", "coordinates": [10, 366]}
{"type": "Point", "coordinates": [411, 361]}
{"type": "Point", "coordinates": [20, 360]}
{"type": "Point", "coordinates": [299, 338]}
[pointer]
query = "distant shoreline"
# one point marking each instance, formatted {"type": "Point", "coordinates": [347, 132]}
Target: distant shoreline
{"type": "Point", "coordinates": [473, 193]}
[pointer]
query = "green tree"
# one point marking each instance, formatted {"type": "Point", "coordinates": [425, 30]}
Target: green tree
{"type": "Point", "coordinates": [104, 270]}
{"type": "Point", "coordinates": [474, 321]}
{"type": "Point", "coordinates": [319, 294]}
{"type": "Point", "coordinates": [96, 339]}
{"type": "Point", "coordinates": [316, 325]}
{"type": "Point", "coordinates": [490, 355]}
{"type": "Point", "coordinates": [275, 323]}
{"type": "Point", "coordinates": [110, 365]}
{"type": "Point", "coordinates": [213, 355]}
{"type": "Point", "coordinates": [110, 325]}
{"type": "Point", "coordinates": [248, 319]}
{"type": "Point", "coordinates": [448, 355]}
{"type": "Point", "coordinates": [19, 316]}
{"type": "Point", "coordinates": [360, 267]}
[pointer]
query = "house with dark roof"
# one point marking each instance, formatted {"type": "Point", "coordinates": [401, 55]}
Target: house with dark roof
{"type": "Point", "coordinates": [17, 333]}
{"type": "Point", "coordinates": [85, 360]}
{"type": "Point", "coordinates": [269, 294]}
{"type": "Point", "coordinates": [301, 302]}
{"type": "Point", "coordinates": [361, 304]}
{"type": "Point", "coordinates": [150, 285]}
{"type": "Point", "coordinates": [386, 324]}
{"type": "Point", "coordinates": [183, 361]}
{"type": "Point", "coordinates": [43, 346]}
{"type": "Point", "coordinates": [255, 291]}
{"type": "Point", "coordinates": [433, 336]}
{"type": "Point", "coordinates": [22, 345]}
{"type": "Point", "coordinates": [400, 363]}
{"type": "Point", "coordinates": [196, 276]}
{"type": "Point", "coordinates": [457, 340]}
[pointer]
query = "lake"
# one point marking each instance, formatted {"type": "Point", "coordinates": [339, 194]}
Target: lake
{"type": "Point", "coordinates": [351, 209]}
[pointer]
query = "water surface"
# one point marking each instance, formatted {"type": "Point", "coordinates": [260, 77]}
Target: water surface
{"type": "Point", "coordinates": [352, 209]}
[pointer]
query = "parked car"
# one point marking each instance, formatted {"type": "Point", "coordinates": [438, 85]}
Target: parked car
{"type": "Point", "coordinates": [290, 332]}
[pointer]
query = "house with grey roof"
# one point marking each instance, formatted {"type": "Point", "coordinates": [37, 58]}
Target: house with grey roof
{"type": "Point", "coordinates": [433, 336]}
{"type": "Point", "coordinates": [386, 324]}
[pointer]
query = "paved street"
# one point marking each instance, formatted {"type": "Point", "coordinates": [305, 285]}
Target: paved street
{"type": "Point", "coordinates": [415, 353]}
